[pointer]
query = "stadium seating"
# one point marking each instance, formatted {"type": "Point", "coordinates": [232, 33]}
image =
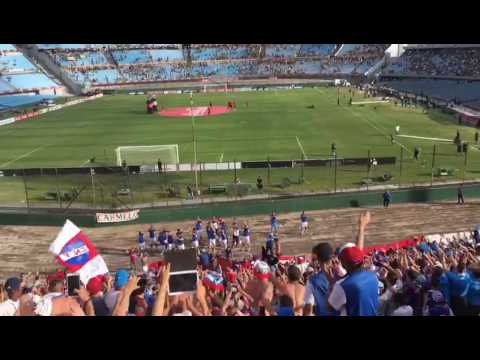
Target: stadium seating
{"type": "Point", "coordinates": [15, 62]}
{"type": "Point", "coordinates": [81, 58]}
{"type": "Point", "coordinates": [132, 56]}
{"type": "Point", "coordinates": [282, 50]}
{"type": "Point", "coordinates": [13, 101]}
{"type": "Point", "coordinates": [7, 47]}
{"type": "Point", "coordinates": [316, 49]}
{"type": "Point", "coordinates": [98, 76]}
{"type": "Point", "coordinates": [166, 55]}
{"type": "Point", "coordinates": [448, 90]}
{"type": "Point", "coordinates": [5, 87]}
{"type": "Point", "coordinates": [440, 62]}
{"type": "Point", "coordinates": [29, 81]}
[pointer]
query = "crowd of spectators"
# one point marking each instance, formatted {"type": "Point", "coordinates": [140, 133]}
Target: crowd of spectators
{"type": "Point", "coordinates": [438, 62]}
{"type": "Point", "coordinates": [149, 63]}
{"type": "Point", "coordinates": [427, 278]}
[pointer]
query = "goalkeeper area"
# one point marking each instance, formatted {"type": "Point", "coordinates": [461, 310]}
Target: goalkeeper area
{"type": "Point", "coordinates": [147, 155]}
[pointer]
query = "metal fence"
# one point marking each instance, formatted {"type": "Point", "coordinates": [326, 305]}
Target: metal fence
{"type": "Point", "coordinates": [438, 163]}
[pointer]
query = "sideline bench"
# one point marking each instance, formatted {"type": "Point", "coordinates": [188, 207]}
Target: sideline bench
{"type": "Point", "coordinates": [217, 189]}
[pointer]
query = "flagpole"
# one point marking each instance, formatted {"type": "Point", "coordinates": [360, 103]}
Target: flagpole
{"type": "Point", "coordinates": [194, 142]}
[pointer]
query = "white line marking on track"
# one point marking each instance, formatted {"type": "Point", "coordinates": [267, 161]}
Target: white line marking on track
{"type": "Point", "coordinates": [424, 138]}
{"type": "Point", "coordinates": [22, 156]}
{"type": "Point", "coordinates": [301, 148]}
{"type": "Point", "coordinates": [378, 129]}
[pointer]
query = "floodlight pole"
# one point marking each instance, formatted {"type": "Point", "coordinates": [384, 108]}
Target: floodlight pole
{"type": "Point", "coordinates": [194, 143]}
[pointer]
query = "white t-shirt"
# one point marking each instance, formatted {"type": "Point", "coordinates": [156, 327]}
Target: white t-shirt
{"type": "Point", "coordinates": [45, 305]}
{"type": "Point", "coordinates": [405, 310]}
{"type": "Point", "coordinates": [111, 299]}
{"type": "Point", "coordinates": [9, 307]}
{"type": "Point", "coordinates": [338, 298]}
{"type": "Point", "coordinates": [308, 297]}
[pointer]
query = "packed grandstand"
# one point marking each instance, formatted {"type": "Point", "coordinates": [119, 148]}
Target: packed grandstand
{"type": "Point", "coordinates": [438, 71]}
{"type": "Point", "coordinates": [421, 276]}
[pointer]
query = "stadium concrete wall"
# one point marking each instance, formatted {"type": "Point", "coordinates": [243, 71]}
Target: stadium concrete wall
{"type": "Point", "coordinates": [252, 207]}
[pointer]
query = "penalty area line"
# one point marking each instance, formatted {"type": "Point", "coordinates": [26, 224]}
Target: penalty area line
{"type": "Point", "coordinates": [301, 147]}
{"type": "Point", "coordinates": [22, 156]}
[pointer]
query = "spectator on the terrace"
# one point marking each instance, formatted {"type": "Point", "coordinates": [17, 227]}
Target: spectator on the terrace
{"type": "Point", "coordinates": [458, 280]}
{"type": "Point", "coordinates": [319, 284]}
{"type": "Point", "coordinates": [112, 295]}
{"type": "Point", "coordinates": [13, 291]}
{"type": "Point", "coordinates": [357, 293]}
{"type": "Point", "coordinates": [387, 197]}
{"type": "Point", "coordinates": [473, 292]}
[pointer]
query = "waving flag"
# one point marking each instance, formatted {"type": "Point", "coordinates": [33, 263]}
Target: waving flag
{"type": "Point", "coordinates": [214, 281]}
{"type": "Point", "coordinates": [75, 251]}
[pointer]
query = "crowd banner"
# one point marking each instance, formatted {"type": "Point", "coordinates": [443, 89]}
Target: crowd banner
{"type": "Point", "coordinates": [116, 217]}
{"type": "Point", "coordinates": [394, 245]}
{"type": "Point", "coordinates": [74, 250]}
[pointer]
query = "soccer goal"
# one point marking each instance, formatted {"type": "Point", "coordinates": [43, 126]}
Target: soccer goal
{"type": "Point", "coordinates": [147, 155]}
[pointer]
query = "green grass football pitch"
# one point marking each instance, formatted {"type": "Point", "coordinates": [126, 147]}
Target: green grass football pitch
{"type": "Point", "coordinates": [276, 125]}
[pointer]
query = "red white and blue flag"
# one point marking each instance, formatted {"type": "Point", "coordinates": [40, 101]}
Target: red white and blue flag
{"type": "Point", "coordinates": [74, 250]}
{"type": "Point", "coordinates": [214, 281]}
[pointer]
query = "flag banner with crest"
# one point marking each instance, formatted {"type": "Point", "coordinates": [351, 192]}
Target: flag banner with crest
{"type": "Point", "coordinates": [74, 250]}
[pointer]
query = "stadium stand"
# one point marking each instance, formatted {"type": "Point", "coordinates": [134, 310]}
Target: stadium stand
{"type": "Point", "coordinates": [123, 63]}
{"type": "Point", "coordinates": [18, 74]}
{"type": "Point", "coordinates": [448, 90]}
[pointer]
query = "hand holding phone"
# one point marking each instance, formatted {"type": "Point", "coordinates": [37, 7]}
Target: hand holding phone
{"type": "Point", "coordinates": [73, 283]}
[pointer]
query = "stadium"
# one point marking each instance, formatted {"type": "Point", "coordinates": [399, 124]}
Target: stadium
{"type": "Point", "coordinates": [121, 138]}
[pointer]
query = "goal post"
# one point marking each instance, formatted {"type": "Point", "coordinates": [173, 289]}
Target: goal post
{"type": "Point", "coordinates": [147, 155]}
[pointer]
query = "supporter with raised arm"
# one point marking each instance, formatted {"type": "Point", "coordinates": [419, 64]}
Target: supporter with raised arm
{"type": "Point", "coordinates": [357, 293]}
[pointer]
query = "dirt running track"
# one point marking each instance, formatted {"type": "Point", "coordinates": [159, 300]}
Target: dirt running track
{"type": "Point", "coordinates": [24, 248]}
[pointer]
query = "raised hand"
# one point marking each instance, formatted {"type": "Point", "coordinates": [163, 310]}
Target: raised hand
{"type": "Point", "coordinates": [364, 219]}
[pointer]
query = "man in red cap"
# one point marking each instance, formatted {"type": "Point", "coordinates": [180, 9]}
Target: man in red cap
{"type": "Point", "coordinates": [95, 289]}
{"type": "Point", "coordinates": [357, 293]}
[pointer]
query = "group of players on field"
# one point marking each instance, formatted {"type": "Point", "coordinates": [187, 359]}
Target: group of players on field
{"type": "Point", "coordinates": [216, 232]}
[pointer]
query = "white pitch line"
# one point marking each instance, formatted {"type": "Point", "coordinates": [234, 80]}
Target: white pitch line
{"type": "Point", "coordinates": [301, 148]}
{"type": "Point", "coordinates": [378, 129]}
{"type": "Point", "coordinates": [85, 163]}
{"type": "Point", "coordinates": [22, 156]}
{"type": "Point", "coordinates": [221, 158]}
{"type": "Point", "coordinates": [424, 138]}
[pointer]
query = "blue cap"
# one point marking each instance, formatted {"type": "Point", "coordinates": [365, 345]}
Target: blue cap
{"type": "Point", "coordinates": [12, 284]}
{"type": "Point", "coordinates": [121, 278]}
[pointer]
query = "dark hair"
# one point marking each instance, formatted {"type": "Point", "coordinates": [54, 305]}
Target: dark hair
{"type": "Point", "coordinates": [475, 269]}
{"type": "Point", "coordinates": [323, 251]}
{"type": "Point", "coordinates": [286, 301]}
{"type": "Point", "coordinates": [435, 280]}
{"type": "Point", "coordinates": [293, 273]}
{"type": "Point", "coordinates": [412, 275]}
{"type": "Point", "coordinates": [461, 267]}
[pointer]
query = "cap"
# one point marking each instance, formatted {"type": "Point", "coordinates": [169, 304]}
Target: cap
{"type": "Point", "coordinates": [94, 285]}
{"type": "Point", "coordinates": [121, 278]}
{"type": "Point", "coordinates": [58, 275]}
{"type": "Point", "coordinates": [12, 284]}
{"type": "Point", "coordinates": [344, 246]}
{"type": "Point", "coordinates": [261, 270]}
{"type": "Point", "coordinates": [351, 255]}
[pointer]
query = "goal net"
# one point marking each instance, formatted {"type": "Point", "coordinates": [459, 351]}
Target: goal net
{"type": "Point", "coordinates": [147, 155]}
